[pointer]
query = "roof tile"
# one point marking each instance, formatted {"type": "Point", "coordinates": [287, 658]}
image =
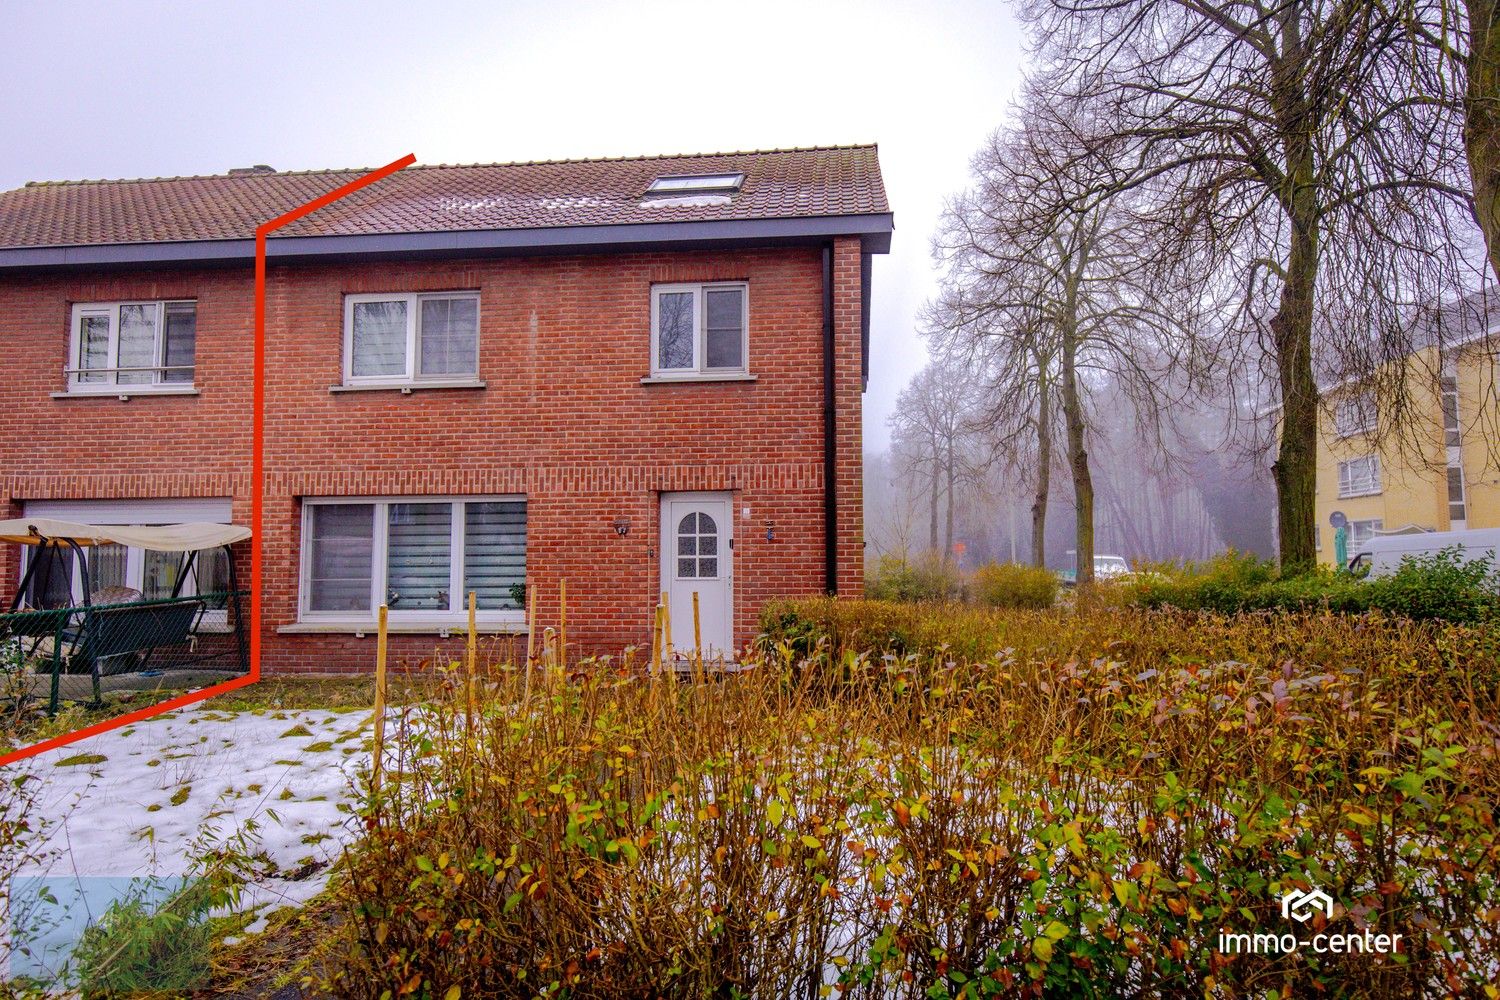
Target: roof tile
{"type": "Point", "coordinates": [779, 184]}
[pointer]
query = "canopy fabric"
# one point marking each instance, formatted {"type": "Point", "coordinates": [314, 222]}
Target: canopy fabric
{"type": "Point", "coordinates": [189, 537]}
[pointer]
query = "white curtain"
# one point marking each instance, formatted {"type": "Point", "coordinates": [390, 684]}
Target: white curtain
{"type": "Point", "coordinates": [379, 338]}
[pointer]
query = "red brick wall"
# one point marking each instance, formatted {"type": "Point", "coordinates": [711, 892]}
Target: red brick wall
{"type": "Point", "coordinates": [564, 342]}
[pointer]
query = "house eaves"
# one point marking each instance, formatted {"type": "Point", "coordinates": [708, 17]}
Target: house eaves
{"type": "Point", "coordinates": [874, 231]}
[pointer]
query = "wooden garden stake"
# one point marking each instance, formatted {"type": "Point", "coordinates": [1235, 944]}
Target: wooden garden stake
{"type": "Point", "coordinates": [666, 626]}
{"type": "Point", "coordinates": [380, 646]}
{"type": "Point", "coordinates": [697, 635]}
{"type": "Point", "coordinates": [656, 642]}
{"type": "Point", "coordinates": [472, 661]}
{"type": "Point", "coordinates": [531, 630]}
{"type": "Point", "coordinates": [562, 624]}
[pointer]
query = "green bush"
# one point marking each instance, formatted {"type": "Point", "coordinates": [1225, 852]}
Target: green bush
{"type": "Point", "coordinates": [1441, 586]}
{"type": "Point", "coordinates": [925, 578]}
{"type": "Point", "coordinates": [1012, 585]}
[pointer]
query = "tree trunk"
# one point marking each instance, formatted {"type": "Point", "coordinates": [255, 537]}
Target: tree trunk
{"type": "Point", "coordinates": [932, 524]}
{"type": "Point", "coordinates": [948, 552]}
{"type": "Point", "coordinates": [1296, 466]}
{"type": "Point", "coordinates": [1482, 122]}
{"type": "Point", "coordinates": [1078, 459]}
{"type": "Point", "coordinates": [1043, 472]}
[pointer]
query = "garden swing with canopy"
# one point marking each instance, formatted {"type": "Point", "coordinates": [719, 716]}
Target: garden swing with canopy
{"type": "Point", "coordinates": [61, 625]}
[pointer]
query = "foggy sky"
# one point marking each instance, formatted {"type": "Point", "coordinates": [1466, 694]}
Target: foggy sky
{"type": "Point", "coordinates": [155, 89]}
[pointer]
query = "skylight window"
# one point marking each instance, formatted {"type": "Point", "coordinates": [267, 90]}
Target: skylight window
{"type": "Point", "coordinates": [696, 183]}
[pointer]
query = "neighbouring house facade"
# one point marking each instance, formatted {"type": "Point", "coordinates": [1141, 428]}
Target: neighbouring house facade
{"type": "Point", "coordinates": [1438, 473]}
{"type": "Point", "coordinates": [632, 376]}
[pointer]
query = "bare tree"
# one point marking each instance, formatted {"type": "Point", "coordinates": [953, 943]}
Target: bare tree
{"type": "Point", "coordinates": [893, 502]}
{"type": "Point", "coordinates": [1054, 283]}
{"type": "Point", "coordinates": [1481, 104]}
{"type": "Point", "coordinates": [933, 434]}
{"type": "Point", "coordinates": [1295, 153]}
{"type": "Point", "coordinates": [1466, 38]}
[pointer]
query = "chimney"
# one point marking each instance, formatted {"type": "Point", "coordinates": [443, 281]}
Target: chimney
{"type": "Point", "coordinates": [259, 168]}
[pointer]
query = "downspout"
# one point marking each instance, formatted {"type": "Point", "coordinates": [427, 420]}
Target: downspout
{"type": "Point", "coordinates": [830, 439]}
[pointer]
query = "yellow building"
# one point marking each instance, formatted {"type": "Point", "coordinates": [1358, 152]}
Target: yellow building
{"type": "Point", "coordinates": [1436, 473]}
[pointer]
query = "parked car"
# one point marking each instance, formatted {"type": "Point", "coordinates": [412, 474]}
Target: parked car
{"type": "Point", "coordinates": [1105, 568]}
{"type": "Point", "coordinates": [1108, 567]}
{"type": "Point", "coordinates": [1383, 553]}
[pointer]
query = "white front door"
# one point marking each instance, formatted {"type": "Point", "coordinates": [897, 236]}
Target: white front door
{"type": "Point", "coordinates": [698, 557]}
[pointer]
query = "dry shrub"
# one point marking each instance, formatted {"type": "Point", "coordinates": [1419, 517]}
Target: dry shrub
{"type": "Point", "coordinates": [926, 577]}
{"type": "Point", "coordinates": [1012, 585]}
{"type": "Point", "coordinates": [1078, 808]}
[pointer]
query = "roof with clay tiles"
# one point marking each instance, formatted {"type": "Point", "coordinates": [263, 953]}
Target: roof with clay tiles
{"type": "Point", "coordinates": [814, 182]}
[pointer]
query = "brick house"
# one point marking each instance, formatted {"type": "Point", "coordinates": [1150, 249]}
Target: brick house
{"type": "Point", "coordinates": [633, 375]}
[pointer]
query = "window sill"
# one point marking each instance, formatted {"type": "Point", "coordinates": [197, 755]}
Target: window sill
{"type": "Point", "coordinates": [405, 388]}
{"type": "Point", "coordinates": [1356, 496]}
{"type": "Point", "coordinates": [125, 392]}
{"type": "Point", "coordinates": [458, 628]}
{"type": "Point", "coordinates": [698, 377]}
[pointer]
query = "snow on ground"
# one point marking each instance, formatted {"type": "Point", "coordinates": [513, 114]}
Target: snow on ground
{"type": "Point", "coordinates": [147, 799]}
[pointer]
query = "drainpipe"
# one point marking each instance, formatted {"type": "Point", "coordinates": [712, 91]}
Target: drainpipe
{"type": "Point", "coordinates": [830, 440]}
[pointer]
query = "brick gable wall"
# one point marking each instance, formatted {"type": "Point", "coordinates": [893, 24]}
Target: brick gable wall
{"type": "Point", "coordinates": [564, 342]}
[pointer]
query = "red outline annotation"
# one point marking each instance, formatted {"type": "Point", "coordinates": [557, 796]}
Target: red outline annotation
{"type": "Point", "coordinates": [257, 457]}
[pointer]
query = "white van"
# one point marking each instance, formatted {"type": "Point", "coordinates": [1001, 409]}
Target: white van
{"type": "Point", "coordinates": [1383, 553]}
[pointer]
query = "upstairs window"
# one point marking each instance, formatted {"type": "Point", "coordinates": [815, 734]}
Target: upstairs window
{"type": "Point", "coordinates": [699, 330]}
{"type": "Point", "coordinates": [697, 184]}
{"type": "Point", "coordinates": [147, 346]}
{"type": "Point", "coordinates": [390, 338]}
{"type": "Point", "coordinates": [1359, 477]}
{"type": "Point", "coordinates": [1452, 434]}
{"type": "Point", "coordinates": [1457, 508]}
{"type": "Point", "coordinates": [1355, 414]}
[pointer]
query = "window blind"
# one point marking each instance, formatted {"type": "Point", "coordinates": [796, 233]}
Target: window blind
{"type": "Point", "coordinates": [494, 551]}
{"type": "Point", "coordinates": [341, 552]}
{"type": "Point", "coordinates": [419, 547]}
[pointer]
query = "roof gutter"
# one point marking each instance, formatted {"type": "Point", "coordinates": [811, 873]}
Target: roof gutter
{"type": "Point", "coordinates": [830, 437]}
{"type": "Point", "coordinates": [873, 228]}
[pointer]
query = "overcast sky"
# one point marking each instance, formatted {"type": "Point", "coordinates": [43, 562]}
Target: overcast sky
{"type": "Point", "coordinates": [139, 89]}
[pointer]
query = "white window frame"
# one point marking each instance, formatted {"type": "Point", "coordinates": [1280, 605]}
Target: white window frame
{"type": "Point", "coordinates": [111, 385]}
{"type": "Point", "coordinates": [725, 183]}
{"type": "Point", "coordinates": [135, 572]}
{"type": "Point", "coordinates": [1375, 525]}
{"type": "Point", "coordinates": [699, 370]}
{"type": "Point", "coordinates": [411, 376]}
{"type": "Point", "coordinates": [1360, 405]}
{"type": "Point", "coordinates": [1369, 484]}
{"type": "Point", "coordinates": [1462, 521]}
{"type": "Point", "coordinates": [456, 616]}
{"type": "Point", "coordinates": [137, 513]}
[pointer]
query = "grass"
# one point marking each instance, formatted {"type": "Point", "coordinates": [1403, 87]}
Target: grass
{"type": "Point", "coordinates": [928, 801]}
{"type": "Point", "coordinates": [333, 693]}
{"type": "Point", "coordinates": [78, 759]}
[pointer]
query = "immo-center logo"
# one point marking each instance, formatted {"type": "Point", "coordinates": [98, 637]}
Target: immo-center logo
{"type": "Point", "coordinates": [1299, 906]}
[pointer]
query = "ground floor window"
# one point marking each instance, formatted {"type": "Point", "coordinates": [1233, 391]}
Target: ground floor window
{"type": "Point", "coordinates": [420, 556]}
{"type": "Point", "coordinates": [118, 574]}
{"type": "Point", "coordinates": [1362, 531]}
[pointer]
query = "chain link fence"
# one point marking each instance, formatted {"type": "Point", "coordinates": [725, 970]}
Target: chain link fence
{"type": "Point", "coordinates": [77, 653]}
